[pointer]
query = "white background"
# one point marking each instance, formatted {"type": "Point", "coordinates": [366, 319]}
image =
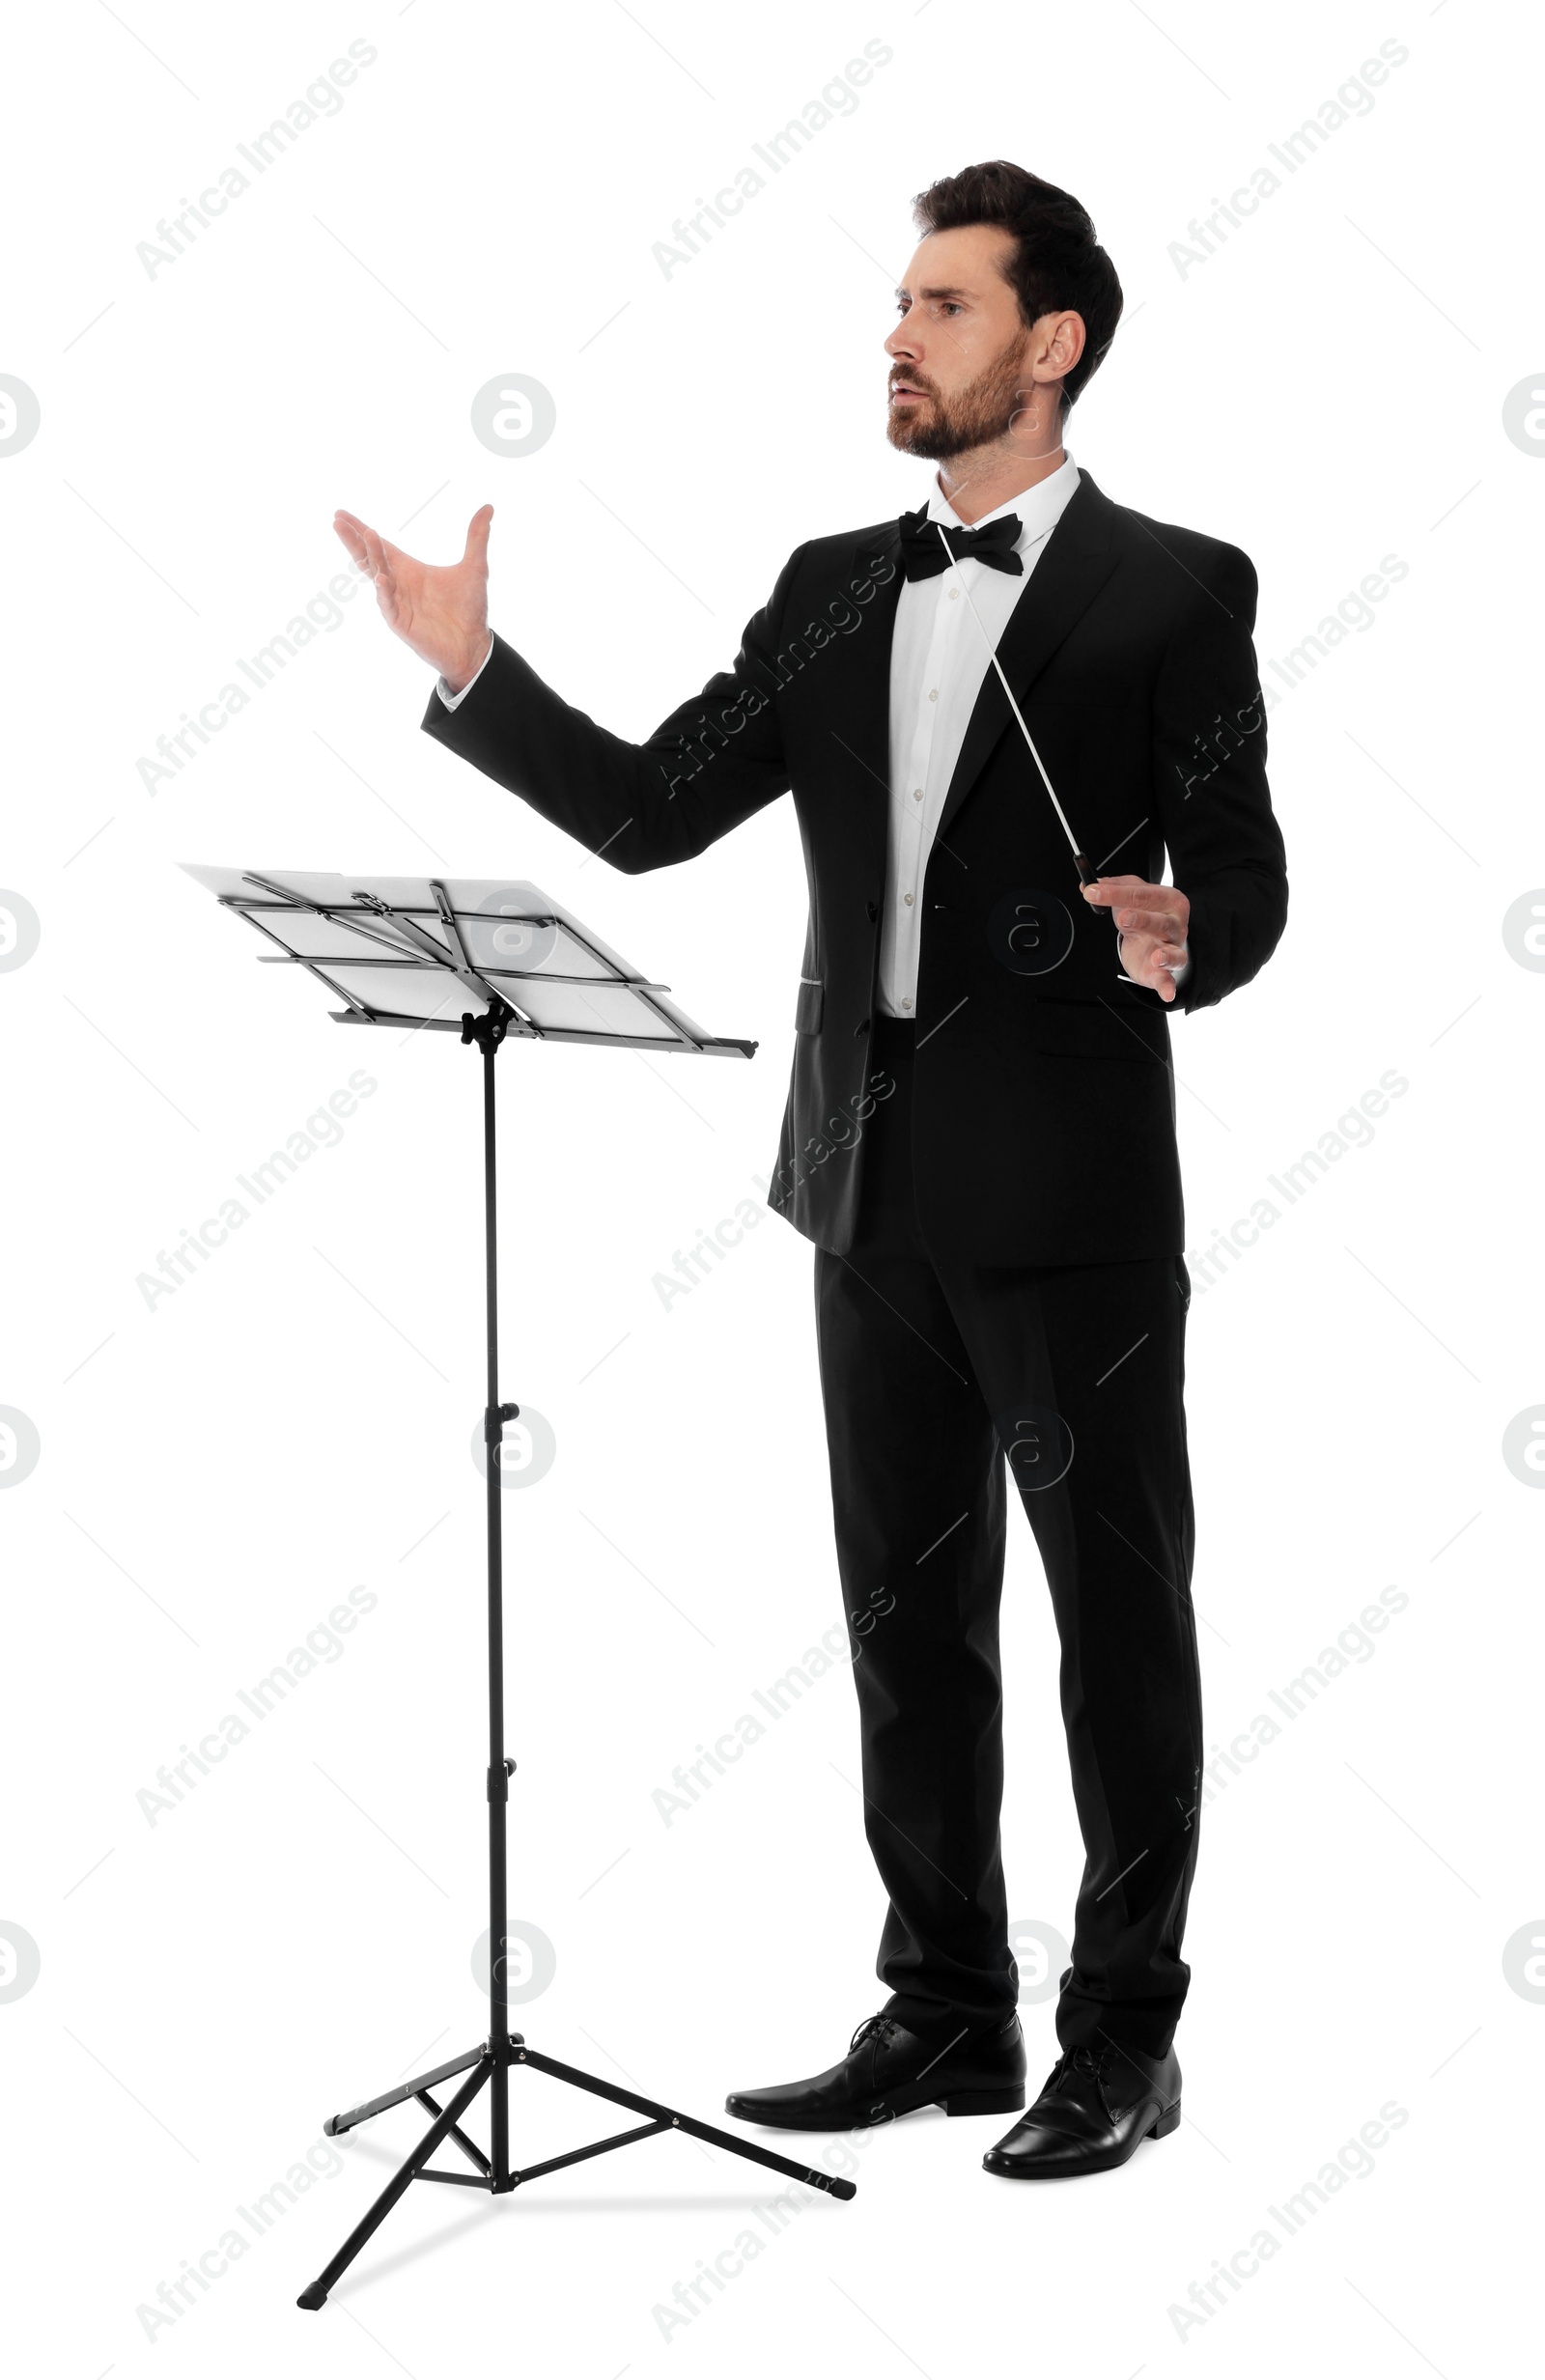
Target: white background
{"type": "Point", "coordinates": [218, 1470]}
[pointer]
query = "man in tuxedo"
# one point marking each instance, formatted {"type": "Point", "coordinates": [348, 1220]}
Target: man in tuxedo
{"type": "Point", "coordinates": [980, 1134]}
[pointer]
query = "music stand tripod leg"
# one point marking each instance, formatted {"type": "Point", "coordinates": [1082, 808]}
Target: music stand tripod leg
{"type": "Point", "coordinates": [450, 2115]}
{"type": "Point", "coordinates": [351, 2116]}
{"type": "Point", "coordinates": [667, 2120]}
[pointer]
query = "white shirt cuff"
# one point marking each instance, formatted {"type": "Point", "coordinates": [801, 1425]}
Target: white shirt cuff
{"type": "Point", "coordinates": [451, 700]}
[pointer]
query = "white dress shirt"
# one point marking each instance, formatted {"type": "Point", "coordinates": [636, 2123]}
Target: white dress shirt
{"type": "Point", "coordinates": [937, 661]}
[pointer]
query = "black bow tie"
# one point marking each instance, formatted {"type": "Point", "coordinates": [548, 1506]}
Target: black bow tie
{"type": "Point", "coordinates": [922, 548]}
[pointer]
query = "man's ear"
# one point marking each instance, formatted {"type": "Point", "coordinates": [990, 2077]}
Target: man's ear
{"type": "Point", "coordinates": [1039, 409]}
{"type": "Point", "coordinates": [1067, 338]}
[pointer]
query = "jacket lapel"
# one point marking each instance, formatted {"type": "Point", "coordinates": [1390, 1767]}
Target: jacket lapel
{"type": "Point", "coordinates": [860, 728]}
{"type": "Point", "coordinates": [1080, 556]}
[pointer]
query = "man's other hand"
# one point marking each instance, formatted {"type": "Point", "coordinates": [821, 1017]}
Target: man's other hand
{"type": "Point", "coordinates": [1152, 921]}
{"type": "Point", "coordinates": [441, 612]}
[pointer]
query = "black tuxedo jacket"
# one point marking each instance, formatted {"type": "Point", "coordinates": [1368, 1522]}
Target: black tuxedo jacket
{"type": "Point", "coordinates": [1043, 1090]}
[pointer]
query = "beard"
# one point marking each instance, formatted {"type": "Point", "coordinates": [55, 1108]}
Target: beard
{"type": "Point", "coordinates": [979, 414]}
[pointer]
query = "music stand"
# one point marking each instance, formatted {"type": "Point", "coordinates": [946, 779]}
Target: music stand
{"type": "Point", "coordinates": [513, 966]}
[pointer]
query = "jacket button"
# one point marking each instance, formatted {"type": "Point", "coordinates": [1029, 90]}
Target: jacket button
{"type": "Point", "coordinates": [874, 910]}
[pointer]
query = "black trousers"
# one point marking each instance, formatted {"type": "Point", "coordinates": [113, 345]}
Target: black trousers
{"type": "Point", "coordinates": [935, 1375]}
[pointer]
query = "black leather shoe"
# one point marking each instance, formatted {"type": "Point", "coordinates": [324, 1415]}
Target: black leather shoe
{"type": "Point", "coordinates": [889, 2071]}
{"type": "Point", "coordinates": [1096, 2107]}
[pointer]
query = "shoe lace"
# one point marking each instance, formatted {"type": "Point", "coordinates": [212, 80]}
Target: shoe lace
{"type": "Point", "coordinates": [879, 2027]}
{"type": "Point", "coordinates": [1088, 2065]}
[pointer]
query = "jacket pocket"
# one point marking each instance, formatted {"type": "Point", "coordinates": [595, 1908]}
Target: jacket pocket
{"type": "Point", "coordinates": [808, 1008]}
{"type": "Point", "coordinates": [1091, 1029]}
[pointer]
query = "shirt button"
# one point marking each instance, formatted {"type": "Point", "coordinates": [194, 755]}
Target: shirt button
{"type": "Point", "coordinates": [917, 793]}
{"type": "Point", "coordinates": [906, 1003]}
{"type": "Point", "coordinates": [933, 693]}
{"type": "Point", "coordinates": [906, 897]}
{"type": "Point", "coordinates": [954, 595]}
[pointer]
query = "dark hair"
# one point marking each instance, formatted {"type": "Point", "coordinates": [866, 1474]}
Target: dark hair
{"type": "Point", "coordinates": [1056, 261]}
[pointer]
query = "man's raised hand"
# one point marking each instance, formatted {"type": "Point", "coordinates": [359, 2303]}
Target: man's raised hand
{"type": "Point", "coordinates": [441, 611]}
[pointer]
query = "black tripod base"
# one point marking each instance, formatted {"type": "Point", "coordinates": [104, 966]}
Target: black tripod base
{"type": "Point", "coordinates": [490, 2063]}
